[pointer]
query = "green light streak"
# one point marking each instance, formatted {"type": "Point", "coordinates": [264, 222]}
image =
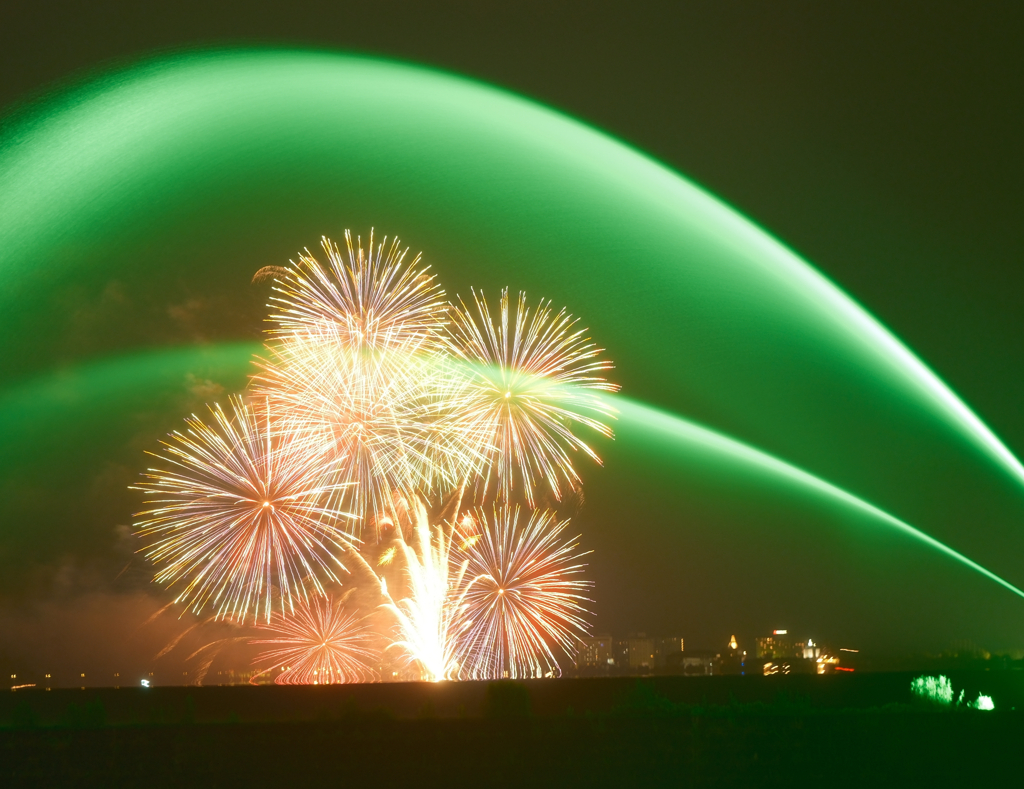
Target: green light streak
{"type": "Point", "coordinates": [97, 397]}
{"type": "Point", "coordinates": [56, 430]}
{"type": "Point", "coordinates": [107, 384]}
{"type": "Point", "coordinates": [660, 425]}
{"type": "Point", "coordinates": [713, 316]}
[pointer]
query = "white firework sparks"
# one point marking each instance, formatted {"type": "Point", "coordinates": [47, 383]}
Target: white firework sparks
{"type": "Point", "coordinates": [534, 376]}
{"type": "Point", "coordinates": [239, 515]}
{"type": "Point", "coordinates": [524, 601]}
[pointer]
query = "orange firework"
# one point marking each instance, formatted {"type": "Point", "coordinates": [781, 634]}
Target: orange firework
{"type": "Point", "coordinates": [426, 616]}
{"type": "Point", "coordinates": [389, 418]}
{"type": "Point", "coordinates": [357, 359]}
{"type": "Point", "coordinates": [239, 520]}
{"type": "Point", "coordinates": [524, 598]}
{"type": "Point", "coordinates": [319, 644]}
{"type": "Point", "coordinates": [376, 399]}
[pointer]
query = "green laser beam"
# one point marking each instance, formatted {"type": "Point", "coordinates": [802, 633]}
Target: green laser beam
{"type": "Point", "coordinates": [124, 174]}
{"type": "Point", "coordinates": [658, 425]}
{"type": "Point", "coordinates": [107, 385]}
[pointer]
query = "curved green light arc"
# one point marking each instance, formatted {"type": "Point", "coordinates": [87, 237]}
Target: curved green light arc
{"type": "Point", "coordinates": [205, 162]}
{"type": "Point", "coordinates": [123, 149]}
{"type": "Point", "coordinates": [659, 424]}
{"type": "Point", "coordinates": [110, 383]}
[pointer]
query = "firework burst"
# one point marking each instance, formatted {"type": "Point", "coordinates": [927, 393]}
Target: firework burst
{"type": "Point", "coordinates": [358, 358]}
{"type": "Point", "coordinates": [533, 376]}
{"type": "Point", "coordinates": [391, 417]}
{"type": "Point", "coordinates": [376, 396]}
{"type": "Point", "coordinates": [367, 299]}
{"type": "Point", "coordinates": [238, 519]}
{"type": "Point", "coordinates": [524, 598]}
{"type": "Point", "coordinates": [319, 644]}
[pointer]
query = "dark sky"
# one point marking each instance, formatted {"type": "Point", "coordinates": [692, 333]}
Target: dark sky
{"type": "Point", "coordinates": [880, 140]}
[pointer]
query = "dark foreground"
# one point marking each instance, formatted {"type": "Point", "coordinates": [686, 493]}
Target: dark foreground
{"type": "Point", "coordinates": [622, 733]}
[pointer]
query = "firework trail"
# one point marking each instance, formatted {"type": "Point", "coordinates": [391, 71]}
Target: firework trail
{"type": "Point", "coordinates": [427, 616]}
{"type": "Point", "coordinates": [524, 598]}
{"type": "Point", "coordinates": [212, 651]}
{"type": "Point", "coordinates": [176, 640]}
{"type": "Point", "coordinates": [533, 375]}
{"type": "Point", "coordinates": [238, 516]}
{"type": "Point", "coordinates": [319, 644]}
{"type": "Point", "coordinates": [270, 273]}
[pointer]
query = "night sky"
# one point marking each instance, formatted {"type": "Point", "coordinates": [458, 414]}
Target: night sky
{"type": "Point", "coordinates": [879, 141]}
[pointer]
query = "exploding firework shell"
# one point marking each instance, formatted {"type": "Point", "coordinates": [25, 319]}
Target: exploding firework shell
{"type": "Point", "coordinates": [319, 644]}
{"type": "Point", "coordinates": [524, 597]}
{"type": "Point", "coordinates": [377, 393]}
{"type": "Point", "coordinates": [239, 519]}
{"type": "Point", "coordinates": [533, 376]}
{"type": "Point", "coordinates": [367, 299]}
{"type": "Point", "coordinates": [391, 418]}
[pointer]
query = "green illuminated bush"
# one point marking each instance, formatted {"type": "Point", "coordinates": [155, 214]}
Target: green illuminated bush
{"type": "Point", "coordinates": [938, 691]}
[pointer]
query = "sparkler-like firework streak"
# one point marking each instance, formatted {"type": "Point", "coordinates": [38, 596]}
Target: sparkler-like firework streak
{"type": "Point", "coordinates": [533, 377]}
{"type": "Point", "coordinates": [371, 300]}
{"type": "Point", "coordinates": [427, 617]}
{"type": "Point", "coordinates": [241, 511]}
{"type": "Point", "coordinates": [319, 644]}
{"type": "Point", "coordinates": [524, 598]}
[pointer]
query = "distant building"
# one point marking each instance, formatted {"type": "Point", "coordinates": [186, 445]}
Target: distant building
{"type": "Point", "coordinates": [779, 654]}
{"type": "Point", "coordinates": [620, 653]}
{"type": "Point", "coordinates": [665, 649]}
{"type": "Point", "coordinates": [635, 652]}
{"type": "Point", "coordinates": [596, 652]}
{"type": "Point", "coordinates": [778, 645]}
{"type": "Point", "coordinates": [730, 660]}
{"type": "Point", "coordinates": [811, 651]}
{"type": "Point", "coordinates": [698, 662]}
